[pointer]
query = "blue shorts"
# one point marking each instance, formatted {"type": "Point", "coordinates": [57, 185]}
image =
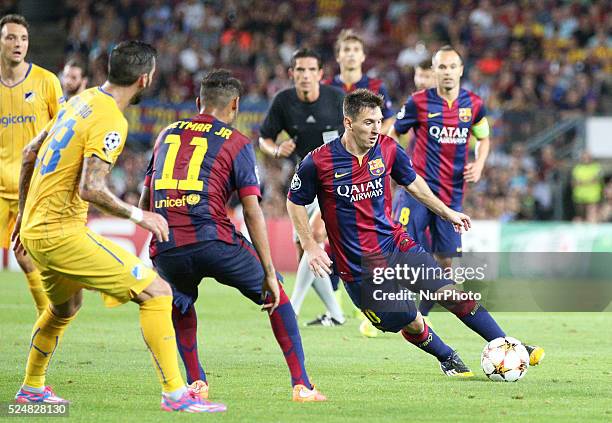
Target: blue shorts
{"type": "Point", "coordinates": [415, 218]}
{"type": "Point", "coordinates": [236, 265]}
{"type": "Point", "coordinates": [394, 316]}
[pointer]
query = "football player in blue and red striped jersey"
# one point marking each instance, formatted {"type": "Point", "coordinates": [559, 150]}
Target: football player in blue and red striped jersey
{"type": "Point", "coordinates": [351, 179]}
{"type": "Point", "coordinates": [350, 55]}
{"type": "Point", "coordinates": [443, 119]}
{"type": "Point", "coordinates": [197, 164]}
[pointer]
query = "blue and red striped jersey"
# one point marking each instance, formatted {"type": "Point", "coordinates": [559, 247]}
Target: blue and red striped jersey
{"type": "Point", "coordinates": [377, 86]}
{"type": "Point", "coordinates": [355, 199]}
{"type": "Point", "coordinates": [197, 164]}
{"type": "Point", "coordinates": [442, 135]}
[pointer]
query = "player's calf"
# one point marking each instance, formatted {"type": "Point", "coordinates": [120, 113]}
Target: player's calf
{"type": "Point", "coordinates": [472, 314]}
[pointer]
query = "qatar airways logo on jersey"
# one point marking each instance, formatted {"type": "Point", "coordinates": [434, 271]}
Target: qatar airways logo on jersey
{"type": "Point", "coordinates": [12, 120]}
{"type": "Point", "coordinates": [449, 134]}
{"type": "Point", "coordinates": [358, 192]}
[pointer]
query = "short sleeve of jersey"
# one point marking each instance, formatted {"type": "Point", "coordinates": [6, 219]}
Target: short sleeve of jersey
{"type": "Point", "coordinates": [406, 117]}
{"type": "Point", "coordinates": [387, 109]}
{"type": "Point", "coordinates": [402, 171]}
{"type": "Point", "coordinates": [481, 114]}
{"type": "Point", "coordinates": [55, 97]}
{"type": "Point", "coordinates": [246, 179]}
{"type": "Point", "coordinates": [273, 123]}
{"type": "Point", "coordinates": [303, 188]}
{"type": "Point", "coordinates": [106, 138]}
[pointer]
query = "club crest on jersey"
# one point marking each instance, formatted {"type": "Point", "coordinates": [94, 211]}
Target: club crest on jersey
{"type": "Point", "coordinates": [29, 96]}
{"type": "Point", "coordinates": [138, 271]}
{"type": "Point", "coordinates": [465, 114]}
{"type": "Point", "coordinates": [376, 166]}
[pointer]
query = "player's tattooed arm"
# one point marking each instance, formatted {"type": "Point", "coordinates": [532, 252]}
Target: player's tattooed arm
{"type": "Point", "coordinates": [145, 198]}
{"type": "Point", "coordinates": [421, 191]}
{"type": "Point", "coordinates": [30, 152]}
{"type": "Point", "coordinates": [93, 188]}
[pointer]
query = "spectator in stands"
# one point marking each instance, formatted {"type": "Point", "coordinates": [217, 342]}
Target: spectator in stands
{"type": "Point", "coordinates": [587, 179]}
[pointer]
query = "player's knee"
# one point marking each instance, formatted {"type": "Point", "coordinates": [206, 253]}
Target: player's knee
{"type": "Point", "coordinates": [444, 262]}
{"type": "Point", "coordinates": [459, 308]}
{"type": "Point", "coordinates": [157, 288]}
{"type": "Point", "coordinates": [69, 308]}
{"type": "Point", "coordinates": [416, 326]}
{"type": "Point", "coordinates": [25, 263]}
{"type": "Point", "coordinates": [160, 288]}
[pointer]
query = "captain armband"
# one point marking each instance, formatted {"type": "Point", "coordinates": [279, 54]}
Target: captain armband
{"type": "Point", "coordinates": [481, 129]}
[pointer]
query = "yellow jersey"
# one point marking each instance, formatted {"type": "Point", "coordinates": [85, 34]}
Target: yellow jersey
{"type": "Point", "coordinates": [25, 109]}
{"type": "Point", "coordinates": [90, 124]}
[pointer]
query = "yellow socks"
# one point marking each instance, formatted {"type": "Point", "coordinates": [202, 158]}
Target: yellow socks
{"type": "Point", "coordinates": [158, 333]}
{"type": "Point", "coordinates": [38, 293]}
{"type": "Point", "coordinates": [46, 335]}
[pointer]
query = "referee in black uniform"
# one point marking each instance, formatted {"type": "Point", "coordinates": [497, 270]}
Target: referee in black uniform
{"type": "Point", "coordinates": [311, 114]}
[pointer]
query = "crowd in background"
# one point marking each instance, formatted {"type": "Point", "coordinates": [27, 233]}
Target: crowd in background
{"type": "Point", "coordinates": [534, 63]}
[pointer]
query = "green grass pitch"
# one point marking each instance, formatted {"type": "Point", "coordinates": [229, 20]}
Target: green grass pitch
{"type": "Point", "coordinates": [103, 366]}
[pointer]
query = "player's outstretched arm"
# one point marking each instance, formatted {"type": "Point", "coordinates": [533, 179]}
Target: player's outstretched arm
{"type": "Point", "coordinates": [256, 224]}
{"type": "Point", "coordinates": [30, 152]}
{"type": "Point", "coordinates": [145, 198]}
{"type": "Point", "coordinates": [421, 191]}
{"type": "Point", "coordinates": [318, 260]}
{"type": "Point", "coordinates": [93, 189]}
{"type": "Point", "coordinates": [28, 163]}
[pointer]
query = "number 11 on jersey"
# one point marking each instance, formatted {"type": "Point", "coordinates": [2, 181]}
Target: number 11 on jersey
{"type": "Point", "coordinates": [192, 183]}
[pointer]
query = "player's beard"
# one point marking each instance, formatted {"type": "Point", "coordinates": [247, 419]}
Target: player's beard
{"type": "Point", "coordinates": [137, 97]}
{"type": "Point", "coordinates": [71, 92]}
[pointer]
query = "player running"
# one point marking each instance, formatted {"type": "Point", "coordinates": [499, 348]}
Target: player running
{"type": "Point", "coordinates": [350, 176]}
{"type": "Point", "coordinates": [197, 165]}
{"type": "Point", "coordinates": [443, 119]}
{"type": "Point", "coordinates": [64, 170]}
{"type": "Point", "coordinates": [30, 97]}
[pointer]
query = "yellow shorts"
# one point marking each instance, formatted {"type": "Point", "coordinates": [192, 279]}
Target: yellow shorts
{"type": "Point", "coordinates": [87, 260]}
{"type": "Point", "coordinates": [8, 215]}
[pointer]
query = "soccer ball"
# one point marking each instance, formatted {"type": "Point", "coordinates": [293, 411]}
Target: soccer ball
{"type": "Point", "coordinates": [504, 360]}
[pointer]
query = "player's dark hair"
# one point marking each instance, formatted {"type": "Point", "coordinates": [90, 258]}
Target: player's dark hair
{"type": "Point", "coordinates": [348, 35]}
{"type": "Point", "coordinates": [425, 64]}
{"type": "Point", "coordinates": [128, 60]}
{"type": "Point", "coordinates": [305, 52]}
{"type": "Point", "coordinates": [218, 88]}
{"type": "Point", "coordinates": [76, 62]}
{"type": "Point", "coordinates": [16, 19]}
{"type": "Point", "coordinates": [358, 100]}
{"type": "Point", "coordinates": [448, 47]}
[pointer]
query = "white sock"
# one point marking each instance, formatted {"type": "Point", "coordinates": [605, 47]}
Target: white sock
{"type": "Point", "coordinates": [324, 290]}
{"type": "Point", "coordinates": [177, 394]}
{"type": "Point", "coordinates": [303, 281]}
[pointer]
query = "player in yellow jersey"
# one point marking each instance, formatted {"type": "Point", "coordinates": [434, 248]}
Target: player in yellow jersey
{"type": "Point", "coordinates": [64, 169]}
{"type": "Point", "coordinates": [30, 97]}
{"type": "Point", "coordinates": [74, 78]}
